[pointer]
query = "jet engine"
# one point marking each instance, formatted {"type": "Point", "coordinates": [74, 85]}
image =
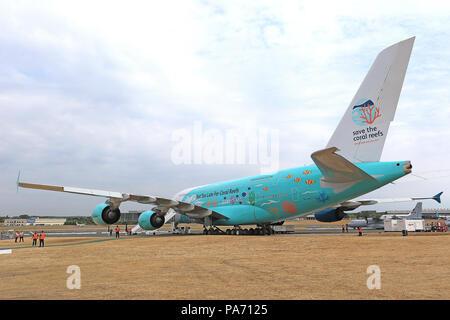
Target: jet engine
{"type": "Point", "coordinates": [330, 215]}
{"type": "Point", "coordinates": [103, 214]}
{"type": "Point", "coordinates": [150, 220]}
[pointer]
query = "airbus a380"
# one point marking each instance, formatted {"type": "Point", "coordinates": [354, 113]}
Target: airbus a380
{"type": "Point", "coordinates": [347, 168]}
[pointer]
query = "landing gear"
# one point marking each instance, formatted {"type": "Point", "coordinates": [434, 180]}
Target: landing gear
{"type": "Point", "coordinates": [212, 231]}
{"type": "Point", "coordinates": [236, 231]}
{"type": "Point", "coordinates": [261, 230]}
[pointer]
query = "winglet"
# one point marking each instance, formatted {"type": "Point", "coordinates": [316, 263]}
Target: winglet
{"type": "Point", "coordinates": [438, 197]}
{"type": "Point", "coordinates": [17, 183]}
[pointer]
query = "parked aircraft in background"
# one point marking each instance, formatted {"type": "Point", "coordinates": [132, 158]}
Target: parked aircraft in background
{"type": "Point", "coordinates": [80, 224]}
{"type": "Point", "coordinates": [347, 168]}
{"type": "Point", "coordinates": [370, 223]}
{"type": "Point", "coordinates": [416, 213]}
{"type": "Point", "coordinates": [378, 222]}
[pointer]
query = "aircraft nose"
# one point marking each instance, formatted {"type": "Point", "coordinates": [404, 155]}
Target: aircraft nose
{"type": "Point", "coordinates": [407, 167]}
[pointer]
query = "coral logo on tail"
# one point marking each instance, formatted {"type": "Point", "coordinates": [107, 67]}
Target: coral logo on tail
{"type": "Point", "coordinates": [365, 112]}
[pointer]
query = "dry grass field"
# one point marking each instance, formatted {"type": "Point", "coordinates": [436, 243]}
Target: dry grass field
{"type": "Point", "coordinates": [231, 267]}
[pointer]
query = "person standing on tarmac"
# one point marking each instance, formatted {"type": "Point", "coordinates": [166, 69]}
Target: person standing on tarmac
{"type": "Point", "coordinates": [41, 239]}
{"type": "Point", "coordinates": [16, 236]}
{"type": "Point", "coordinates": [117, 232]}
{"type": "Point", "coordinates": [21, 237]}
{"type": "Point", "coordinates": [360, 231]}
{"type": "Point", "coordinates": [346, 227]}
{"type": "Point", "coordinates": [35, 237]}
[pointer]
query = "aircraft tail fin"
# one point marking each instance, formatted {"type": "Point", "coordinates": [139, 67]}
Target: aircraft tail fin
{"type": "Point", "coordinates": [362, 131]}
{"type": "Point", "coordinates": [416, 213]}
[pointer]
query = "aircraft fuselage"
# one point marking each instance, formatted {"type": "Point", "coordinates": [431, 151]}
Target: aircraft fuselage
{"type": "Point", "coordinates": [285, 194]}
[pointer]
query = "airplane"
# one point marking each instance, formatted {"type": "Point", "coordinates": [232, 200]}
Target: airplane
{"type": "Point", "coordinates": [378, 222]}
{"type": "Point", "coordinates": [347, 168]}
{"type": "Point", "coordinates": [371, 223]}
{"type": "Point", "coordinates": [80, 224]}
{"type": "Point", "coordinates": [437, 198]}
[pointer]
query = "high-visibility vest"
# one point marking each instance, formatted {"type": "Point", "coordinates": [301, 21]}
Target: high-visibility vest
{"type": "Point", "coordinates": [16, 235]}
{"type": "Point", "coordinates": [117, 229]}
{"type": "Point", "coordinates": [360, 229]}
{"type": "Point", "coordinates": [35, 236]}
{"type": "Point", "coordinates": [21, 234]}
{"type": "Point", "coordinates": [42, 236]}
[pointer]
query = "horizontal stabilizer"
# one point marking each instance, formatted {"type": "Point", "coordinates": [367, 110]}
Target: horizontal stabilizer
{"type": "Point", "coordinates": [338, 173]}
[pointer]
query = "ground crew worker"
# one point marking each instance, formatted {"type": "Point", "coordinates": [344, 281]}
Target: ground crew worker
{"type": "Point", "coordinates": [360, 231]}
{"type": "Point", "coordinates": [117, 231]}
{"type": "Point", "coordinates": [346, 227]}
{"type": "Point", "coordinates": [21, 237]}
{"type": "Point", "coordinates": [35, 237]}
{"type": "Point", "coordinates": [343, 228]}
{"type": "Point", "coordinates": [16, 235]}
{"type": "Point", "coordinates": [41, 239]}
{"type": "Point", "coordinates": [110, 231]}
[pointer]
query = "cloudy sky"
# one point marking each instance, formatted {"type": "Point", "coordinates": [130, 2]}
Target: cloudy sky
{"type": "Point", "coordinates": [92, 93]}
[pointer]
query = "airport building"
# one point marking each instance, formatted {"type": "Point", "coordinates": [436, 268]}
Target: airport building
{"type": "Point", "coordinates": [17, 222]}
{"type": "Point", "coordinates": [35, 222]}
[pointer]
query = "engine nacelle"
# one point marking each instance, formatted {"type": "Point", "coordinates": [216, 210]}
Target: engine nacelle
{"type": "Point", "coordinates": [150, 220]}
{"type": "Point", "coordinates": [330, 215]}
{"type": "Point", "coordinates": [103, 214]}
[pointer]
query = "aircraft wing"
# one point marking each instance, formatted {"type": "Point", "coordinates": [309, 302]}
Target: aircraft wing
{"type": "Point", "coordinates": [353, 204]}
{"type": "Point", "coordinates": [338, 173]}
{"type": "Point", "coordinates": [115, 198]}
